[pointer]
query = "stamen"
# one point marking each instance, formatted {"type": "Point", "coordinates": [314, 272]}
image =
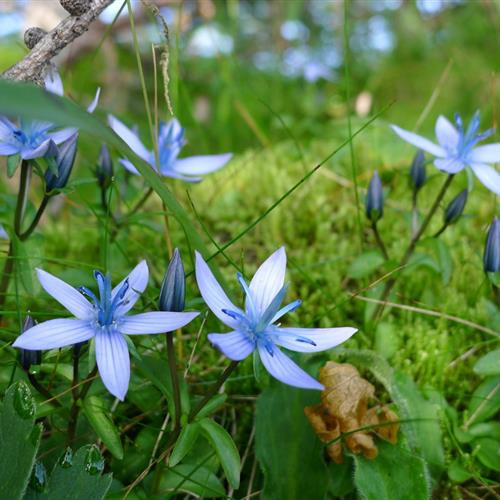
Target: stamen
{"type": "Point", "coordinates": [249, 296]}
{"type": "Point", "coordinates": [288, 308]}
{"type": "Point", "coordinates": [90, 294]}
{"type": "Point", "coordinates": [237, 316]}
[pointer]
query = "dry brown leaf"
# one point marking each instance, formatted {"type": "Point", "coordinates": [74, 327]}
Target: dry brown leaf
{"type": "Point", "coordinates": [344, 408]}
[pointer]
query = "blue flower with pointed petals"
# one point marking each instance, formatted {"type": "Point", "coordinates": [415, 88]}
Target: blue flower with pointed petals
{"type": "Point", "coordinates": [32, 138]}
{"type": "Point", "coordinates": [457, 149]}
{"type": "Point", "coordinates": [170, 142]}
{"type": "Point", "coordinates": [256, 327]}
{"type": "Point", "coordinates": [103, 318]}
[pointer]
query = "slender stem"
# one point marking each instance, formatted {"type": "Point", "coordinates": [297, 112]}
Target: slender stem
{"type": "Point", "coordinates": [440, 231]}
{"type": "Point", "coordinates": [104, 202]}
{"type": "Point", "coordinates": [42, 390]}
{"type": "Point", "coordinates": [22, 197]}
{"type": "Point", "coordinates": [172, 364]}
{"type": "Point", "coordinates": [413, 243]}
{"type": "Point", "coordinates": [379, 240]}
{"type": "Point", "coordinates": [225, 375]}
{"type": "Point", "coordinates": [414, 214]}
{"type": "Point", "coordinates": [141, 202]}
{"type": "Point", "coordinates": [74, 392]}
{"type": "Point", "coordinates": [41, 209]}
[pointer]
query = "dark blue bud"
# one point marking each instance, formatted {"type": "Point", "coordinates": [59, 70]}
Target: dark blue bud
{"type": "Point", "coordinates": [375, 199]}
{"type": "Point", "coordinates": [65, 158]}
{"type": "Point", "coordinates": [417, 170]}
{"type": "Point", "coordinates": [456, 207]}
{"type": "Point", "coordinates": [104, 168]}
{"type": "Point", "coordinates": [26, 357]}
{"type": "Point", "coordinates": [491, 258]}
{"type": "Point", "coordinates": [173, 287]}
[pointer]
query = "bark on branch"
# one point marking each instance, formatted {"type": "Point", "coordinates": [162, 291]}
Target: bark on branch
{"type": "Point", "coordinates": [31, 67]}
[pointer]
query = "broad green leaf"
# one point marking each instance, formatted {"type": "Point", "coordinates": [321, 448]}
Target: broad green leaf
{"type": "Point", "coordinates": [98, 416]}
{"type": "Point", "coordinates": [19, 440]}
{"type": "Point", "coordinates": [225, 448]}
{"type": "Point", "coordinates": [458, 473]}
{"type": "Point", "coordinates": [30, 102]}
{"type": "Point", "coordinates": [185, 443]}
{"type": "Point", "coordinates": [485, 401]}
{"type": "Point", "coordinates": [394, 474]}
{"type": "Point", "coordinates": [191, 478]}
{"type": "Point", "coordinates": [288, 451]}
{"type": "Point", "coordinates": [213, 405]}
{"type": "Point", "coordinates": [76, 477]}
{"type": "Point", "coordinates": [488, 452]}
{"type": "Point", "coordinates": [486, 429]}
{"type": "Point", "coordinates": [365, 264]}
{"type": "Point", "coordinates": [489, 364]}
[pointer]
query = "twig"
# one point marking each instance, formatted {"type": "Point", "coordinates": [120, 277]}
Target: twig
{"type": "Point", "coordinates": [31, 67]}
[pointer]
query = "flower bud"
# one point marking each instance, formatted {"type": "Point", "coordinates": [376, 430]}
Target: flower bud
{"type": "Point", "coordinates": [173, 287]}
{"type": "Point", "coordinates": [26, 357]}
{"type": "Point", "coordinates": [456, 207]}
{"type": "Point", "coordinates": [491, 258]}
{"type": "Point", "coordinates": [375, 199]}
{"type": "Point", "coordinates": [417, 171]}
{"type": "Point", "coordinates": [65, 159]}
{"type": "Point", "coordinates": [104, 168]}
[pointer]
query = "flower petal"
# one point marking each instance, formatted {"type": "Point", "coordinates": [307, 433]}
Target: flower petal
{"type": "Point", "coordinates": [449, 165]}
{"type": "Point", "coordinates": [285, 370]}
{"type": "Point", "coordinates": [113, 361]}
{"type": "Point", "coordinates": [269, 279]}
{"type": "Point", "coordinates": [137, 282]}
{"type": "Point", "coordinates": [91, 107]}
{"type": "Point", "coordinates": [323, 338]}
{"type": "Point", "coordinates": [447, 135]}
{"type": "Point", "coordinates": [490, 153]}
{"type": "Point", "coordinates": [488, 176]}
{"type": "Point", "coordinates": [62, 135]}
{"type": "Point", "coordinates": [129, 137]}
{"type": "Point", "coordinates": [28, 152]}
{"type": "Point", "coordinates": [419, 141]}
{"type": "Point", "coordinates": [235, 345]}
{"type": "Point", "coordinates": [155, 322]}
{"type": "Point", "coordinates": [66, 295]}
{"type": "Point", "coordinates": [7, 149]}
{"type": "Point", "coordinates": [129, 166]}
{"type": "Point", "coordinates": [55, 333]}
{"type": "Point", "coordinates": [199, 165]}
{"type": "Point", "coordinates": [53, 82]}
{"type": "Point", "coordinates": [213, 294]}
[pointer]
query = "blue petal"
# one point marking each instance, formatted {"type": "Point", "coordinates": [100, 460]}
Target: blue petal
{"type": "Point", "coordinates": [488, 176]}
{"type": "Point", "coordinates": [284, 369]}
{"type": "Point", "coordinates": [113, 362]}
{"type": "Point", "coordinates": [7, 149]}
{"type": "Point", "coordinates": [420, 142]}
{"type": "Point", "coordinates": [6, 129]}
{"type": "Point", "coordinates": [91, 107]}
{"type": "Point", "coordinates": [269, 279]}
{"type": "Point", "coordinates": [53, 82]}
{"type": "Point", "coordinates": [447, 135]}
{"type": "Point", "coordinates": [55, 333]}
{"type": "Point", "coordinates": [199, 165]}
{"type": "Point", "coordinates": [29, 153]}
{"type": "Point", "coordinates": [213, 294]}
{"type": "Point", "coordinates": [155, 322]}
{"type": "Point", "coordinates": [322, 338]}
{"type": "Point", "coordinates": [66, 295]}
{"type": "Point", "coordinates": [490, 153]}
{"type": "Point", "coordinates": [129, 166]}
{"type": "Point", "coordinates": [449, 165]}
{"type": "Point", "coordinates": [137, 282]}
{"type": "Point", "coordinates": [62, 135]}
{"type": "Point", "coordinates": [235, 345]}
{"type": "Point", "coordinates": [129, 137]}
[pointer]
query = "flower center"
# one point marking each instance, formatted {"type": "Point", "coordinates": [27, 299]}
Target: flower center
{"type": "Point", "coordinates": [469, 138]}
{"type": "Point", "coordinates": [108, 302]}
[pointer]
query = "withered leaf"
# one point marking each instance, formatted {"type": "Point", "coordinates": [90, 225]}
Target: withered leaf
{"type": "Point", "coordinates": [344, 409]}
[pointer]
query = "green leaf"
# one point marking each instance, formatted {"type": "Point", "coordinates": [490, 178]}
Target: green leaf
{"type": "Point", "coordinates": [365, 264]}
{"type": "Point", "coordinates": [213, 405]}
{"type": "Point", "coordinates": [225, 448]}
{"type": "Point", "coordinates": [97, 415]}
{"type": "Point", "coordinates": [191, 478]}
{"type": "Point", "coordinates": [392, 475]}
{"type": "Point", "coordinates": [13, 163]}
{"type": "Point", "coordinates": [76, 477]}
{"type": "Point", "coordinates": [489, 364]}
{"type": "Point", "coordinates": [185, 442]}
{"type": "Point", "coordinates": [458, 473]}
{"type": "Point", "coordinates": [19, 440]}
{"type": "Point", "coordinates": [387, 341]}
{"type": "Point", "coordinates": [485, 401]}
{"type": "Point", "coordinates": [288, 451]}
{"type": "Point", "coordinates": [486, 429]}
{"type": "Point", "coordinates": [31, 102]}
{"type": "Point", "coordinates": [488, 452]}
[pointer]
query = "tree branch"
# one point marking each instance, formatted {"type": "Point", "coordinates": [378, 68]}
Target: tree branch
{"type": "Point", "coordinates": [30, 68]}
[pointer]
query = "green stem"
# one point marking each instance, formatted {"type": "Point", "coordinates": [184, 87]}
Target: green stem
{"type": "Point", "coordinates": [413, 243]}
{"type": "Point", "coordinates": [22, 197]}
{"type": "Point", "coordinates": [74, 392]}
{"type": "Point", "coordinates": [379, 240]}
{"type": "Point", "coordinates": [141, 202]}
{"type": "Point", "coordinates": [41, 209]}
{"type": "Point", "coordinates": [440, 231]}
{"type": "Point", "coordinates": [414, 214]}
{"type": "Point", "coordinates": [172, 364]}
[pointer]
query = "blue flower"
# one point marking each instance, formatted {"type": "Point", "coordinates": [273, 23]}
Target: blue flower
{"type": "Point", "coordinates": [256, 328]}
{"type": "Point", "coordinates": [170, 142]}
{"type": "Point", "coordinates": [105, 319]}
{"type": "Point", "coordinates": [457, 149]}
{"type": "Point", "coordinates": [31, 138]}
